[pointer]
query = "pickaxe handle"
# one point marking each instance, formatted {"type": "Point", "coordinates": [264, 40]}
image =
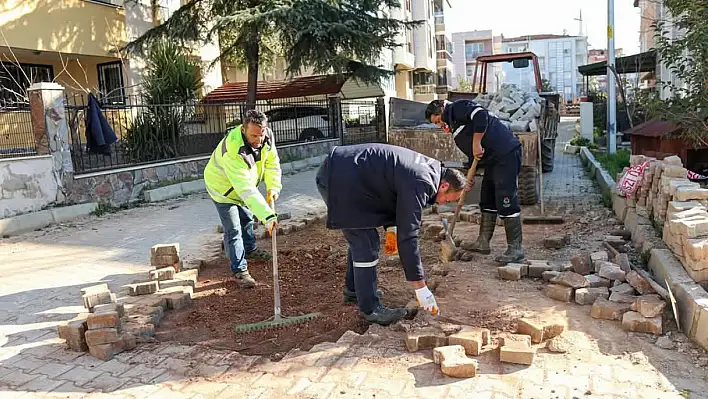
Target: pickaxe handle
{"type": "Point", "coordinates": [470, 176]}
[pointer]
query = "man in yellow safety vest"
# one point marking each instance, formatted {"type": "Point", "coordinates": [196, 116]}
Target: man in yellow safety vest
{"type": "Point", "coordinates": [243, 159]}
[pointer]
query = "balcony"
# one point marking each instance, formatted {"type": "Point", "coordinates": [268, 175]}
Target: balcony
{"type": "Point", "coordinates": [70, 27]}
{"type": "Point", "coordinates": [424, 89]}
{"type": "Point", "coordinates": [403, 57]}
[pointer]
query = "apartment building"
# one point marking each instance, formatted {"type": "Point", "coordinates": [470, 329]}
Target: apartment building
{"type": "Point", "coordinates": [467, 46]}
{"type": "Point", "coordinates": [559, 57]}
{"type": "Point", "coordinates": [444, 49]}
{"type": "Point", "coordinates": [650, 12]}
{"type": "Point", "coordinates": [600, 55]}
{"type": "Point", "coordinates": [76, 42]}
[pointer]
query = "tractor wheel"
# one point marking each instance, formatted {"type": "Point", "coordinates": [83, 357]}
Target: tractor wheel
{"type": "Point", "coordinates": [529, 186]}
{"type": "Point", "coordinates": [548, 151]}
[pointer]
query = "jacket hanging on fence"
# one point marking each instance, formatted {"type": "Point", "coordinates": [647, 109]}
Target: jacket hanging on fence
{"type": "Point", "coordinates": [99, 134]}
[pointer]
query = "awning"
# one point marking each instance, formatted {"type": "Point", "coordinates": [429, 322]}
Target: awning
{"type": "Point", "coordinates": [642, 62]}
{"type": "Point", "coordinates": [302, 87]}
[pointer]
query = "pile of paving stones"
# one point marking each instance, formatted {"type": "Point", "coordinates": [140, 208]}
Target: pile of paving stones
{"type": "Point", "coordinates": [452, 345]}
{"type": "Point", "coordinates": [517, 109]}
{"type": "Point", "coordinates": [665, 194]}
{"type": "Point", "coordinates": [612, 288]}
{"type": "Point", "coordinates": [117, 322]}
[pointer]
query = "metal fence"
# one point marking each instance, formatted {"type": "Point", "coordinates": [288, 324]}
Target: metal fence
{"type": "Point", "coordinates": [16, 134]}
{"type": "Point", "coordinates": [150, 133]}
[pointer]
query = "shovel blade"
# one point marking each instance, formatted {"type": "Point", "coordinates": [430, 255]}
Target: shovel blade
{"type": "Point", "coordinates": [447, 251]}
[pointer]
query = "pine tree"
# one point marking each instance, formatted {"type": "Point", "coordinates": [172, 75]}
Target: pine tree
{"type": "Point", "coordinates": [329, 36]}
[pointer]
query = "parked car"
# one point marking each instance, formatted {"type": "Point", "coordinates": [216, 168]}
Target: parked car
{"type": "Point", "coordinates": [301, 123]}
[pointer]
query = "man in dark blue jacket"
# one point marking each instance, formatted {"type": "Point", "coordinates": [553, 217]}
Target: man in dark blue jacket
{"type": "Point", "coordinates": [375, 185]}
{"type": "Point", "coordinates": [481, 135]}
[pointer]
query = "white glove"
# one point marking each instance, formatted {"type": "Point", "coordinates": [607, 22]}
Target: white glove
{"type": "Point", "coordinates": [426, 300]}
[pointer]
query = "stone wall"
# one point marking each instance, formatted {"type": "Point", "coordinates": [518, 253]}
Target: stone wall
{"type": "Point", "coordinates": [294, 152]}
{"type": "Point", "coordinates": [27, 184]}
{"type": "Point", "coordinates": [126, 185]}
{"type": "Point", "coordinates": [433, 143]}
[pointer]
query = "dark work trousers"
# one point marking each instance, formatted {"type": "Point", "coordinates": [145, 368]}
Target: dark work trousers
{"type": "Point", "coordinates": [362, 256]}
{"type": "Point", "coordinates": [499, 185]}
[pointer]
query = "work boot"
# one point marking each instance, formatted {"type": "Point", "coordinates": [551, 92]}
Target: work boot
{"type": "Point", "coordinates": [259, 254]}
{"type": "Point", "coordinates": [244, 279]}
{"type": "Point", "coordinates": [386, 316]}
{"type": "Point", "coordinates": [350, 296]}
{"type": "Point", "coordinates": [514, 252]}
{"type": "Point", "coordinates": [486, 231]}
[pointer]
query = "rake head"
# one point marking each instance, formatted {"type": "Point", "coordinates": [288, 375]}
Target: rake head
{"type": "Point", "coordinates": [274, 324]}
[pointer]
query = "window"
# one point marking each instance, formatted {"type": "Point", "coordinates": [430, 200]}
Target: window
{"type": "Point", "coordinates": [568, 78]}
{"type": "Point", "coordinates": [423, 78]}
{"type": "Point", "coordinates": [430, 42]}
{"type": "Point", "coordinates": [110, 83]}
{"type": "Point", "coordinates": [473, 50]}
{"type": "Point", "coordinates": [541, 64]}
{"type": "Point", "coordinates": [16, 79]}
{"type": "Point", "coordinates": [408, 5]}
{"type": "Point", "coordinates": [567, 63]}
{"type": "Point", "coordinates": [552, 64]}
{"type": "Point", "coordinates": [469, 71]}
{"type": "Point", "coordinates": [410, 79]}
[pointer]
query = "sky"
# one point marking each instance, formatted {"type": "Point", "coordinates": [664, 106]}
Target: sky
{"type": "Point", "coordinates": [527, 17]}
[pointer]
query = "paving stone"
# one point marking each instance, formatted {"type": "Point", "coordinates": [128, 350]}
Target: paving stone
{"type": "Point", "coordinates": [516, 349]}
{"type": "Point", "coordinates": [549, 275]}
{"type": "Point", "coordinates": [560, 344]}
{"type": "Point", "coordinates": [52, 369]}
{"type": "Point", "coordinates": [105, 382]}
{"type": "Point", "coordinates": [459, 367]}
{"type": "Point", "coordinates": [97, 321]}
{"type": "Point", "coordinates": [110, 307]}
{"type": "Point", "coordinates": [165, 249]}
{"type": "Point", "coordinates": [17, 378]}
{"type": "Point", "coordinates": [101, 336]}
{"type": "Point", "coordinates": [444, 352]}
{"type": "Point", "coordinates": [540, 328]}
{"type": "Point", "coordinates": [27, 363]}
{"type": "Point", "coordinates": [95, 288]}
{"type": "Point", "coordinates": [79, 375]}
{"type": "Point", "coordinates": [607, 310]}
{"type": "Point", "coordinates": [556, 242]}
{"type": "Point", "coordinates": [178, 300]}
{"type": "Point", "coordinates": [634, 321]}
{"type": "Point", "coordinates": [165, 273]}
{"type": "Point", "coordinates": [513, 271]}
{"type": "Point", "coordinates": [570, 279]}
{"type": "Point", "coordinates": [599, 256]}
{"type": "Point", "coordinates": [649, 305]}
{"type": "Point", "coordinates": [622, 298]}
{"type": "Point", "coordinates": [623, 288]}
{"type": "Point", "coordinates": [143, 373]}
{"type": "Point", "coordinates": [623, 262]}
{"type": "Point", "coordinates": [164, 284]}
{"type": "Point", "coordinates": [93, 298]}
{"type": "Point", "coordinates": [587, 296]}
{"type": "Point", "coordinates": [148, 287]}
{"type": "Point", "coordinates": [471, 338]}
{"type": "Point", "coordinates": [639, 283]}
{"type": "Point", "coordinates": [558, 292]}
{"type": "Point", "coordinates": [595, 281]}
{"type": "Point", "coordinates": [611, 272]}
{"type": "Point", "coordinates": [114, 367]}
{"type": "Point", "coordinates": [581, 264]}
{"type": "Point", "coordinates": [536, 270]}
{"type": "Point", "coordinates": [425, 338]}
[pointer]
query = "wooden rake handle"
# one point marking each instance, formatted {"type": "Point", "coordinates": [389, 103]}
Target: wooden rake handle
{"type": "Point", "coordinates": [470, 176]}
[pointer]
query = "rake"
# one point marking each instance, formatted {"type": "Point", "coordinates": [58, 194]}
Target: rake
{"type": "Point", "coordinates": [278, 320]}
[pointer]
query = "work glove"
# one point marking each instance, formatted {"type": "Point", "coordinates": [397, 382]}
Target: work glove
{"type": "Point", "coordinates": [426, 300]}
{"type": "Point", "coordinates": [391, 245]}
{"type": "Point", "coordinates": [271, 224]}
{"type": "Point", "coordinates": [272, 196]}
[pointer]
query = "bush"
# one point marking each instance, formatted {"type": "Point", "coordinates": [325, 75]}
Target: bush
{"type": "Point", "coordinates": [614, 163]}
{"type": "Point", "coordinates": [581, 141]}
{"type": "Point", "coordinates": [154, 135]}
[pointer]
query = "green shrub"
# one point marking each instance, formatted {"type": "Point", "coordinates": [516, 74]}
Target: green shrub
{"type": "Point", "coordinates": [154, 134]}
{"type": "Point", "coordinates": [581, 141]}
{"type": "Point", "coordinates": [614, 163]}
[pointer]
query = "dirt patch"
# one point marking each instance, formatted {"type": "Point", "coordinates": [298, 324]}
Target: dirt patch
{"type": "Point", "coordinates": [312, 268]}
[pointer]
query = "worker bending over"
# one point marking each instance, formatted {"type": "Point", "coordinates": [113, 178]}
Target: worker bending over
{"type": "Point", "coordinates": [481, 135]}
{"type": "Point", "coordinates": [242, 160]}
{"type": "Point", "coordinates": [374, 185]}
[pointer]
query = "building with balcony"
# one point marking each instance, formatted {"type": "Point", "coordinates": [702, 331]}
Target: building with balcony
{"type": "Point", "coordinates": [424, 51]}
{"type": "Point", "coordinates": [403, 55]}
{"type": "Point", "coordinates": [444, 49]}
{"type": "Point", "coordinates": [559, 57]}
{"type": "Point", "coordinates": [467, 46]}
{"type": "Point", "coordinates": [599, 83]}
{"type": "Point", "coordinates": [650, 12]}
{"type": "Point", "coordinates": [76, 43]}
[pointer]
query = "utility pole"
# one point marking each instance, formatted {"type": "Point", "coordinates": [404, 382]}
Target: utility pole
{"type": "Point", "coordinates": [611, 84]}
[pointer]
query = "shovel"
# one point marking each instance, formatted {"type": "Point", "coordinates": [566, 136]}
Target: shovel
{"type": "Point", "coordinates": [447, 247]}
{"type": "Point", "coordinates": [447, 250]}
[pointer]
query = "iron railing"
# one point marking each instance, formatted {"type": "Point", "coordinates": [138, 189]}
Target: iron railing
{"type": "Point", "coordinates": [17, 137]}
{"type": "Point", "coordinates": [364, 122]}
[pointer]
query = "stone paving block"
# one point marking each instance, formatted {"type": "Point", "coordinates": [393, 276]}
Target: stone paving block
{"type": "Point", "coordinates": [164, 284]}
{"type": "Point", "coordinates": [165, 273]}
{"type": "Point", "coordinates": [146, 288]}
{"type": "Point", "coordinates": [165, 249]}
{"type": "Point", "coordinates": [607, 310]}
{"type": "Point", "coordinates": [93, 298]}
{"type": "Point", "coordinates": [536, 270]}
{"type": "Point", "coordinates": [459, 367]}
{"type": "Point", "coordinates": [105, 382]}
{"type": "Point", "coordinates": [639, 283]}
{"type": "Point", "coordinates": [599, 256]}
{"type": "Point", "coordinates": [101, 336]}
{"type": "Point", "coordinates": [649, 305]}
{"type": "Point", "coordinates": [97, 321]}
{"type": "Point", "coordinates": [595, 281]}
{"type": "Point", "coordinates": [150, 301]}
{"type": "Point", "coordinates": [622, 298]}
{"type": "Point", "coordinates": [40, 384]}
{"type": "Point", "coordinates": [190, 275]}
{"type": "Point", "coordinates": [611, 272]}
{"type": "Point", "coordinates": [110, 307]}
{"type": "Point", "coordinates": [541, 328]}
{"type": "Point", "coordinates": [177, 300]}
{"type": "Point", "coordinates": [471, 338]}
{"type": "Point", "coordinates": [425, 338]}
{"type": "Point", "coordinates": [513, 271]}
{"type": "Point", "coordinates": [549, 275]}
{"type": "Point", "coordinates": [52, 369]}
{"type": "Point", "coordinates": [558, 292]}
{"type": "Point", "coordinates": [556, 242]}
{"type": "Point", "coordinates": [634, 321]}
{"type": "Point", "coordinates": [624, 288]}
{"type": "Point", "coordinates": [95, 288]}
{"type": "Point", "coordinates": [164, 260]}
{"type": "Point", "coordinates": [516, 349]}
{"type": "Point", "coordinates": [443, 352]}
{"type": "Point", "coordinates": [570, 279]}
{"type": "Point", "coordinates": [79, 375]}
{"type": "Point", "coordinates": [581, 264]}
{"type": "Point", "coordinates": [587, 296]}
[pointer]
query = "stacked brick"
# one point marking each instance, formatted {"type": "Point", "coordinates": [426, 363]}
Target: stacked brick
{"type": "Point", "coordinates": [115, 323]}
{"type": "Point", "coordinates": [686, 234]}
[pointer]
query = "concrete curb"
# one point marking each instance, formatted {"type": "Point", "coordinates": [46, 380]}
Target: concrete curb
{"type": "Point", "coordinates": [197, 186]}
{"type": "Point", "coordinates": [37, 220]}
{"type": "Point", "coordinates": [691, 298]}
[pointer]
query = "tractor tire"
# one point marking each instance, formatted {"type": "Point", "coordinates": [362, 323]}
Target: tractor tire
{"type": "Point", "coordinates": [548, 152]}
{"type": "Point", "coordinates": [529, 186]}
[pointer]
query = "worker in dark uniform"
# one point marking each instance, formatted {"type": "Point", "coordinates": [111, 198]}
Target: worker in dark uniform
{"type": "Point", "coordinates": [378, 185]}
{"type": "Point", "coordinates": [481, 135]}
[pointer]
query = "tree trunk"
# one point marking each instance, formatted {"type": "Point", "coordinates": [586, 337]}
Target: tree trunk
{"type": "Point", "coordinates": [252, 57]}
